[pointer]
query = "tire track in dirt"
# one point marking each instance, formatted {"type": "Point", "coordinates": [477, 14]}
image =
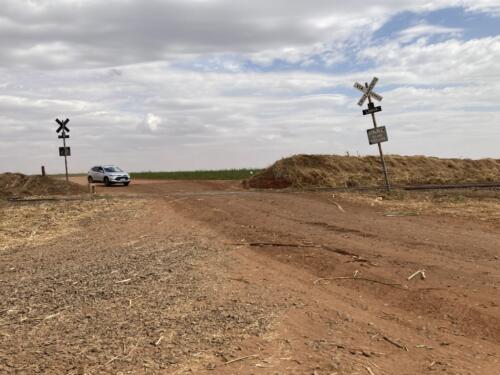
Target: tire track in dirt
{"type": "Point", "coordinates": [444, 311]}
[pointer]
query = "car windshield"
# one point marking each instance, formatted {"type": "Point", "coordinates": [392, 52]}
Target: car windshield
{"type": "Point", "coordinates": [112, 169]}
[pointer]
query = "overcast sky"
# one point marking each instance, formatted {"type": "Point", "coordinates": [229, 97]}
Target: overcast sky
{"type": "Point", "coordinates": [199, 84]}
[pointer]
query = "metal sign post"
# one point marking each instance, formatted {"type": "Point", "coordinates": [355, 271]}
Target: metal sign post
{"type": "Point", "coordinates": [377, 134]}
{"type": "Point", "coordinates": [64, 151]}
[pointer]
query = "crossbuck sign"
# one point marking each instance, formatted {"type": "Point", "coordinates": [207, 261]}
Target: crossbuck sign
{"type": "Point", "coordinates": [64, 151]}
{"type": "Point", "coordinates": [368, 92]}
{"type": "Point", "coordinates": [376, 135]}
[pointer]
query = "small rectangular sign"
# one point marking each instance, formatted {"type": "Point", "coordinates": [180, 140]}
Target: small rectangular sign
{"type": "Point", "coordinates": [369, 111]}
{"type": "Point", "coordinates": [63, 136]}
{"type": "Point", "coordinates": [61, 151]}
{"type": "Point", "coordinates": [377, 135]}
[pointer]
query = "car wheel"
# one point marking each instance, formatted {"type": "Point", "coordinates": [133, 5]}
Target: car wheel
{"type": "Point", "coordinates": [106, 181]}
{"type": "Point", "coordinates": [126, 183]}
{"type": "Point", "coordinates": [90, 179]}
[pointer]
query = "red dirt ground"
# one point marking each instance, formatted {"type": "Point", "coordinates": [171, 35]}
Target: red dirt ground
{"type": "Point", "coordinates": [208, 278]}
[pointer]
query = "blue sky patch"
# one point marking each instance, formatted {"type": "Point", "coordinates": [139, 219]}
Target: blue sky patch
{"type": "Point", "coordinates": [474, 24]}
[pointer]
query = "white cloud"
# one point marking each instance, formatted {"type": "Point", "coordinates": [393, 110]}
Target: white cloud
{"type": "Point", "coordinates": [489, 6]}
{"type": "Point", "coordinates": [153, 122]}
{"type": "Point", "coordinates": [449, 62]}
{"type": "Point", "coordinates": [425, 29]}
{"type": "Point", "coordinates": [114, 71]}
{"type": "Point", "coordinates": [69, 33]}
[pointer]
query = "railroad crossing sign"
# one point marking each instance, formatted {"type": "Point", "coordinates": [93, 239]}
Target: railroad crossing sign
{"type": "Point", "coordinates": [368, 91]}
{"type": "Point", "coordinates": [64, 151]}
{"type": "Point", "coordinates": [62, 126]}
{"type": "Point", "coordinates": [376, 135]}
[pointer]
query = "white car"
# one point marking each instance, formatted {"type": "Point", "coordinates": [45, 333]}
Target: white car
{"type": "Point", "coordinates": [108, 174]}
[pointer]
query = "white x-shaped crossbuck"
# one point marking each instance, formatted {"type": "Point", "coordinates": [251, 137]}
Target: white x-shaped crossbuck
{"type": "Point", "coordinates": [367, 91]}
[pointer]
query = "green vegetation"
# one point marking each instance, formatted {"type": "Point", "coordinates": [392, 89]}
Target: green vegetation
{"type": "Point", "coordinates": [59, 175]}
{"type": "Point", "coordinates": [226, 174]}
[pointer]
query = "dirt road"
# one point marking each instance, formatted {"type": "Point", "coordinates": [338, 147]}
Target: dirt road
{"type": "Point", "coordinates": [203, 277]}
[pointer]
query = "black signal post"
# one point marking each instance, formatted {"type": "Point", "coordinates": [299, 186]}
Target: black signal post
{"type": "Point", "coordinates": [62, 130]}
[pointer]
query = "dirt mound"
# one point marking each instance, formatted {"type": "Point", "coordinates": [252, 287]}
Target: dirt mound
{"type": "Point", "coordinates": [311, 171]}
{"type": "Point", "coordinates": [20, 185]}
